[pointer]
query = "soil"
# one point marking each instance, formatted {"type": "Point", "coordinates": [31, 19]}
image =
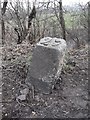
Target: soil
{"type": "Point", "coordinates": [69, 97]}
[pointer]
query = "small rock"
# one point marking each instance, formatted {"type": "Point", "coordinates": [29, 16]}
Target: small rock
{"type": "Point", "coordinates": [6, 114]}
{"type": "Point", "coordinates": [22, 97]}
{"type": "Point", "coordinates": [33, 113]}
{"type": "Point", "coordinates": [24, 91]}
{"type": "Point", "coordinates": [83, 71]}
{"type": "Point", "coordinates": [66, 112]}
{"type": "Point", "coordinates": [79, 115]}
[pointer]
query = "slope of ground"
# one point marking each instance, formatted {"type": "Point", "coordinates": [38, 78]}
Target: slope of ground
{"type": "Point", "coordinates": [69, 98]}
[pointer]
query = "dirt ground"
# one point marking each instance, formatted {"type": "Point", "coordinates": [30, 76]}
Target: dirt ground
{"type": "Point", "coordinates": [69, 98]}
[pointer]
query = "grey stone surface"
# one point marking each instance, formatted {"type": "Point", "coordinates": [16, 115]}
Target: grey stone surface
{"type": "Point", "coordinates": [46, 65]}
{"type": "Point", "coordinates": [21, 97]}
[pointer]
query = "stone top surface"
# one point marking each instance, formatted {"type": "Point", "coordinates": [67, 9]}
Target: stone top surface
{"type": "Point", "coordinates": [56, 43]}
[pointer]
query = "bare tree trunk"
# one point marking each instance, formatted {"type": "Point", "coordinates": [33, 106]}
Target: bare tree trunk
{"type": "Point", "coordinates": [34, 27]}
{"type": "Point", "coordinates": [54, 29]}
{"type": "Point", "coordinates": [88, 21]}
{"type": "Point", "coordinates": [0, 25]}
{"type": "Point", "coordinates": [3, 30]}
{"type": "Point", "coordinates": [38, 28]}
{"type": "Point", "coordinates": [62, 22]}
{"type": "Point", "coordinates": [88, 53]}
{"type": "Point", "coordinates": [30, 17]}
{"type": "Point", "coordinates": [3, 10]}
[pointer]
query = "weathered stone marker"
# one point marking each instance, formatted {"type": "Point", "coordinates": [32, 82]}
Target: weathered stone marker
{"type": "Point", "coordinates": [46, 65]}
